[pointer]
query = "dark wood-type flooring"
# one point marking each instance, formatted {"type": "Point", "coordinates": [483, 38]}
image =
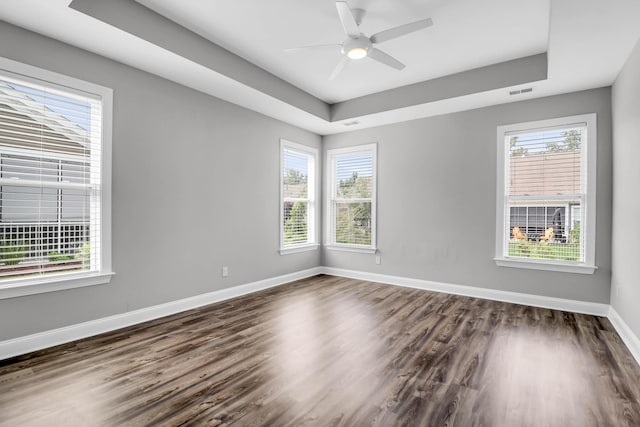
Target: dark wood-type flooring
{"type": "Point", "coordinates": [329, 351]}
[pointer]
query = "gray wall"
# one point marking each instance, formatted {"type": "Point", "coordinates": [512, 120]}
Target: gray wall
{"type": "Point", "coordinates": [437, 199]}
{"type": "Point", "coordinates": [195, 187]}
{"type": "Point", "coordinates": [190, 171]}
{"type": "Point", "coordinates": [625, 280]}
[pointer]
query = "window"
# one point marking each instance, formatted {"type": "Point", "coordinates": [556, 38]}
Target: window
{"type": "Point", "coordinates": [352, 198]}
{"type": "Point", "coordinates": [297, 204]}
{"type": "Point", "coordinates": [546, 194]}
{"type": "Point", "coordinates": [54, 199]}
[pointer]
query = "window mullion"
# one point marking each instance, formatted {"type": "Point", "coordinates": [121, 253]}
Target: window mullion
{"type": "Point", "coordinates": [59, 213]}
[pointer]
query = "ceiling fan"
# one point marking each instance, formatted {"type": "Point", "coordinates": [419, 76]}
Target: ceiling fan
{"type": "Point", "coordinates": [358, 46]}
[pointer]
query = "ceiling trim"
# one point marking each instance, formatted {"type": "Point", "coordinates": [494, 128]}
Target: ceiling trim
{"type": "Point", "coordinates": [144, 23]}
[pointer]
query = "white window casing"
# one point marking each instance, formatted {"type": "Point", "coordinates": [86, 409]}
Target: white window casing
{"type": "Point", "coordinates": [541, 164]}
{"type": "Point", "coordinates": [351, 198]}
{"type": "Point", "coordinates": [55, 181]}
{"type": "Point", "coordinates": [298, 195]}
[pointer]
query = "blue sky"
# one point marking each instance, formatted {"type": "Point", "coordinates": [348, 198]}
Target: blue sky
{"type": "Point", "coordinates": [536, 142]}
{"type": "Point", "coordinates": [359, 162]}
{"type": "Point", "coordinates": [296, 161]}
{"type": "Point", "coordinates": [73, 110]}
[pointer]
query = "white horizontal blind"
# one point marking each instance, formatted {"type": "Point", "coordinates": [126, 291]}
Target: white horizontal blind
{"type": "Point", "coordinates": [545, 193]}
{"type": "Point", "coordinates": [49, 179]}
{"type": "Point", "coordinates": [353, 176]}
{"type": "Point", "coordinates": [297, 196]}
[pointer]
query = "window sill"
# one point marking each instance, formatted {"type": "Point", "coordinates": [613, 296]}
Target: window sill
{"type": "Point", "coordinates": [349, 248]}
{"type": "Point", "coordinates": [299, 248]}
{"type": "Point", "coordinates": [546, 265]}
{"type": "Point", "coordinates": [40, 285]}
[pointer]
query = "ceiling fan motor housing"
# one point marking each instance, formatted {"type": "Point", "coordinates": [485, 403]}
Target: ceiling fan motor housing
{"type": "Point", "coordinates": [357, 47]}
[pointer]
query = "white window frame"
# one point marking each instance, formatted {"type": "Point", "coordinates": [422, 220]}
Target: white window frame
{"type": "Point", "coordinates": [330, 242]}
{"type": "Point", "coordinates": [312, 191]}
{"type": "Point", "coordinates": [588, 182]}
{"type": "Point", "coordinates": [11, 288]}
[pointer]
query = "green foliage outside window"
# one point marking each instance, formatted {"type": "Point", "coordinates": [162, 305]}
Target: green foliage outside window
{"type": "Point", "coordinates": [11, 253]}
{"type": "Point", "coordinates": [295, 182]}
{"type": "Point", "coordinates": [353, 223]}
{"type": "Point", "coordinates": [571, 142]}
{"type": "Point", "coordinates": [84, 254]}
{"type": "Point", "coordinates": [353, 219]}
{"type": "Point", "coordinates": [545, 250]}
{"type": "Point", "coordinates": [295, 227]}
{"type": "Point", "coordinates": [355, 187]}
{"type": "Point", "coordinates": [55, 256]}
{"type": "Point", "coordinates": [574, 234]}
{"type": "Point", "coordinates": [295, 213]}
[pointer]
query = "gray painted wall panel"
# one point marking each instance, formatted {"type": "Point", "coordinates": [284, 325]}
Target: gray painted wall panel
{"type": "Point", "coordinates": [437, 199]}
{"type": "Point", "coordinates": [625, 280]}
{"type": "Point", "coordinates": [189, 174]}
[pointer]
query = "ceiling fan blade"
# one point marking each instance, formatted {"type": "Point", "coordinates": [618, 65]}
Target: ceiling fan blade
{"type": "Point", "coordinates": [386, 59]}
{"type": "Point", "coordinates": [400, 30]}
{"type": "Point", "coordinates": [343, 63]}
{"type": "Point", "coordinates": [313, 47]}
{"type": "Point", "coordinates": [346, 18]}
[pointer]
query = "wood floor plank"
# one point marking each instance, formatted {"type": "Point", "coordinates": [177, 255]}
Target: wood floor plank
{"type": "Point", "coordinates": [331, 351]}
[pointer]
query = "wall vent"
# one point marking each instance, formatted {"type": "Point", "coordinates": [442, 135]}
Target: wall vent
{"type": "Point", "coordinates": [519, 91]}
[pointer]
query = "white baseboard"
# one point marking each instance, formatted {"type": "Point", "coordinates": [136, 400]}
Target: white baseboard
{"type": "Point", "coordinates": [625, 332]}
{"type": "Point", "coordinates": [39, 341]}
{"type": "Point", "coordinates": [472, 291]}
{"type": "Point", "coordinates": [29, 343]}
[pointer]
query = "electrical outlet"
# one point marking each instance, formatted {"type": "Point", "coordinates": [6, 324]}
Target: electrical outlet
{"type": "Point", "coordinates": [225, 271]}
{"type": "Point", "coordinates": [378, 259]}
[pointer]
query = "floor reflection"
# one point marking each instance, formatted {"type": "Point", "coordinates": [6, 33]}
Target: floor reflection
{"type": "Point", "coordinates": [536, 377]}
{"type": "Point", "coordinates": [326, 356]}
{"type": "Point", "coordinates": [68, 400]}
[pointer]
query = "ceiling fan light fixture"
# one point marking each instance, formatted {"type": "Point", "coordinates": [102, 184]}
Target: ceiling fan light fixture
{"type": "Point", "coordinates": [357, 45]}
{"type": "Point", "coordinates": [357, 53]}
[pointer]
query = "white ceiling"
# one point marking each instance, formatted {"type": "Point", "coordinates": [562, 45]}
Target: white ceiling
{"type": "Point", "coordinates": [466, 34]}
{"type": "Point", "coordinates": [587, 42]}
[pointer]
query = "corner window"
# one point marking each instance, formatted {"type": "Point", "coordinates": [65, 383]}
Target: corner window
{"type": "Point", "coordinates": [546, 195]}
{"type": "Point", "coordinates": [352, 198]}
{"type": "Point", "coordinates": [54, 201]}
{"type": "Point", "coordinates": [298, 197]}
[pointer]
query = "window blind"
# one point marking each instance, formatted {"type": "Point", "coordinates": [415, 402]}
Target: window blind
{"type": "Point", "coordinates": [352, 198]}
{"type": "Point", "coordinates": [50, 148]}
{"type": "Point", "coordinates": [545, 193]}
{"type": "Point", "coordinates": [297, 191]}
